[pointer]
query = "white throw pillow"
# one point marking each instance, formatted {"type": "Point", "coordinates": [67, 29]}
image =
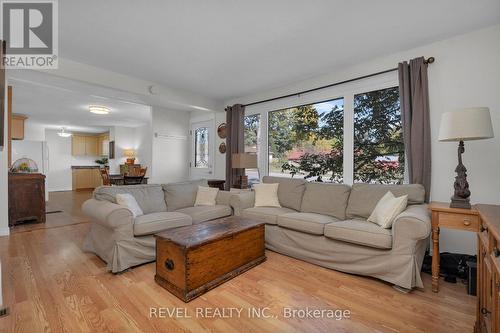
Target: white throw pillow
{"type": "Point", "coordinates": [387, 209]}
{"type": "Point", "coordinates": [206, 196]}
{"type": "Point", "coordinates": [266, 195]}
{"type": "Point", "coordinates": [127, 200]}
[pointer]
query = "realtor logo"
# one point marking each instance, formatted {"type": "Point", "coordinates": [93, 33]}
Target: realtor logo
{"type": "Point", "coordinates": [30, 30]}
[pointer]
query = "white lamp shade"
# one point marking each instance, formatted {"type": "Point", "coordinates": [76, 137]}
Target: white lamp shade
{"type": "Point", "coordinates": [466, 124]}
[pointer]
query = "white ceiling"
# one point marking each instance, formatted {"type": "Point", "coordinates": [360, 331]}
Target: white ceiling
{"type": "Point", "coordinates": [226, 48]}
{"type": "Point", "coordinates": [57, 103]}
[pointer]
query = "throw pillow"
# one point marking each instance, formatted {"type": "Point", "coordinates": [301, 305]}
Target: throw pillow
{"type": "Point", "coordinates": [387, 209]}
{"type": "Point", "coordinates": [127, 200]}
{"type": "Point", "coordinates": [266, 195]}
{"type": "Point", "coordinates": [206, 196]}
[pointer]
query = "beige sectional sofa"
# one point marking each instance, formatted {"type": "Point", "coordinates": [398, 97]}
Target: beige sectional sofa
{"type": "Point", "coordinates": [326, 224]}
{"type": "Point", "coordinates": [123, 241]}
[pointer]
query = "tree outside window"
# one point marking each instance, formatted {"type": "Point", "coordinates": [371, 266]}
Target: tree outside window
{"type": "Point", "coordinates": [378, 138]}
{"type": "Point", "coordinates": [307, 141]}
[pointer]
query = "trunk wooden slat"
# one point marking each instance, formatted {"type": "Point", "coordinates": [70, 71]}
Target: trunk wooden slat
{"type": "Point", "coordinates": [194, 259]}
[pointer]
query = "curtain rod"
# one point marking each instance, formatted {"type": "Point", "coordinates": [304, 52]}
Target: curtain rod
{"type": "Point", "coordinates": [430, 60]}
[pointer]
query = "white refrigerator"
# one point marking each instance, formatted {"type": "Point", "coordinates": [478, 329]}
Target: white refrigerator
{"type": "Point", "coordinates": [35, 150]}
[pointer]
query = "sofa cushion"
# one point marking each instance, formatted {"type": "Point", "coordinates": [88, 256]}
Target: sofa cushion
{"type": "Point", "coordinates": [360, 232]}
{"type": "Point", "coordinates": [266, 195]}
{"type": "Point", "coordinates": [306, 222]}
{"type": "Point", "coordinates": [266, 214]}
{"type": "Point", "coordinates": [290, 191]}
{"type": "Point", "coordinates": [326, 199]}
{"type": "Point", "coordinates": [149, 197]}
{"type": "Point", "coordinates": [155, 222]}
{"type": "Point", "coordinates": [364, 197]}
{"type": "Point", "coordinates": [206, 213]}
{"type": "Point", "coordinates": [183, 194]}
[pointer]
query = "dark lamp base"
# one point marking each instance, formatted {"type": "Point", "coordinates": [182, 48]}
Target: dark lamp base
{"type": "Point", "coordinates": [460, 203]}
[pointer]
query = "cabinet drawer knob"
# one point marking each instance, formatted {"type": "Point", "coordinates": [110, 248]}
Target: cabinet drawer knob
{"type": "Point", "coordinates": [485, 311]}
{"type": "Point", "coordinates": [169, 264]}
{"type": "Point", "coordinates": [466, 222]}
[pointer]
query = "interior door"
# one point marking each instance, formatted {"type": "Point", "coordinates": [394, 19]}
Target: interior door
{"type": "Point", "coordinates": [201, 149]}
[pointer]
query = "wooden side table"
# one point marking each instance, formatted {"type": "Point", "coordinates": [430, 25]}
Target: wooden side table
{"type": "Point", "coordinates": [453, 218]}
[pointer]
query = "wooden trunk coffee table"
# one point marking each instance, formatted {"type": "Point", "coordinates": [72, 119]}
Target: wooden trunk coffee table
{"type": "Point", "coordinates": [194, 259]}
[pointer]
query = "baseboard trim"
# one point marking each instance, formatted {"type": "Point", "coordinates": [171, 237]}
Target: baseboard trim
{"type": "Point", "coordinates": [4, 231]}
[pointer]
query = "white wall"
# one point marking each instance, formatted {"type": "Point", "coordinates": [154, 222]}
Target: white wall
{"type": "Point", "coordinates": [144, 146]}
{"type": "Point", "coordinates": [59, 174]}
{"type": "Point", "coordinates": [137, 138]}
{"type": "Point", "coordinates": [33, 131]}
{"type": "Point", "coordinates": [124, 138]}
{"type": "Point", "coordinates": [466, 73]}
{"type": "Point", "coordinates": [4, 202]}
{"type": "Point", "coordinates": [170, 150]}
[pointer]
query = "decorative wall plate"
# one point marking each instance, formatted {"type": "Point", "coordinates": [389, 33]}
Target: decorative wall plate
{"type": "Point", "coordinates": [221, 131]}
{"type": "Point", "coordinates": [222, 148]}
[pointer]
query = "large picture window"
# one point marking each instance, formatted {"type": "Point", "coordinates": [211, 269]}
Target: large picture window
{"type": "Point", "coordinates": [252, 143]}
{"type": "Point", "coordinates": [378, 137]}
{"type": "Point", "coordinates": [307, 141]}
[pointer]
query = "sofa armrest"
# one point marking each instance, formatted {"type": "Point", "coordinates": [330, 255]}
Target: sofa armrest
{"type": "Point", "coordinates": [107, 214]}
{"type": "Point", "coordinates": [223, 198]}
{"type": "Point", "coordinates": [241, 201]}
{"type": "Point", "coordinates": [414, 223]}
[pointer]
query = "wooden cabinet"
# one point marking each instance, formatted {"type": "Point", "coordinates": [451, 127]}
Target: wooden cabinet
{"type": "Point", "coordinates": [488, 284]}
{"type": "Point", "coordinates": [496, 295]}
{"type": "Point", "coordinates": [78, 145]}
{"type": "Point", "coordinates": [91, 146]}
{"type": "Point", "coordinates": [87, 145]}
{"type": "Point", "coordinates": [17, 129]}
{"type": "Point", "coordinates": [86, 178]}
{"type": "Point", "coordinates": [103, 145]}
{"type": "Point", "coordinates": [26, 198]}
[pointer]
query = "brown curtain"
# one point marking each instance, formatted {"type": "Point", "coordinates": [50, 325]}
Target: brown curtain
{"type": "Point", "coordinates": [234, 141]}
{"type": "Point", "coordinates": [414, 97]}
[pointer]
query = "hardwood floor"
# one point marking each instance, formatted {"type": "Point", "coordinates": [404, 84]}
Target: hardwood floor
{"type": "Point", "coordinates": [51, 285]}
{"type": "Point", "coordinates": [64, 209]}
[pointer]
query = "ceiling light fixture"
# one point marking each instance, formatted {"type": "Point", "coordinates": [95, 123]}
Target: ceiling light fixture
{"type": "Point", "coordinates": [63, 133]}
{"type": "Point", "coordinates": [98, 109]}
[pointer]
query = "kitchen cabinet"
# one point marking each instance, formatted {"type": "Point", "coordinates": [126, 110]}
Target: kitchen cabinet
{"type": "Point", "coordinates": [86, 178]}
{"type": "Point", "coordinates": [87, 144]}
{"type": "Point", "coordinates": [78, 145]}
{"type": "Point", "coordinates": [17, 129]}
{"type": "Point", "coordinates": [103, 145]}
{"type": "Point", "coordinates": [91, 146]}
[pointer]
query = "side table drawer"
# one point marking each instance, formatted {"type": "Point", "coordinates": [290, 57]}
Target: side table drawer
{"type": "Point", "coordinates": [459, 221]}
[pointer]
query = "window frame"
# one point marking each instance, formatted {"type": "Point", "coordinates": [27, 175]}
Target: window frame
{"type": "Point", "coordinates": [345, 91]}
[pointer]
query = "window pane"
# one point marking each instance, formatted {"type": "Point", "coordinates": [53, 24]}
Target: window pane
{"type": "Point", "coordinates": [201, 147]}
{"type": "Point", "coordinates": [307, 141]}
{"type": "Point", "coordinates": [378, 137]}
{"type": "Point", "coordinates": [252, 143]}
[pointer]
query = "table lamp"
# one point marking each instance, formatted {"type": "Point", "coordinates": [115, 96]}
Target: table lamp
{"type": "Point", "coordinates": [463, 125]}
{"type": "Point", "coordinates": [244, 161]}
{"type": "Point", "coordinates": [130, 155]}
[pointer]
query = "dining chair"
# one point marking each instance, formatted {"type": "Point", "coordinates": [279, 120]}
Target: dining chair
{"type": "Point", "coordinates": [105, 176]}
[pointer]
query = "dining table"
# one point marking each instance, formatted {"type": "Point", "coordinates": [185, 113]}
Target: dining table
{"type": "Point", "coordinates": [118, 179]}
